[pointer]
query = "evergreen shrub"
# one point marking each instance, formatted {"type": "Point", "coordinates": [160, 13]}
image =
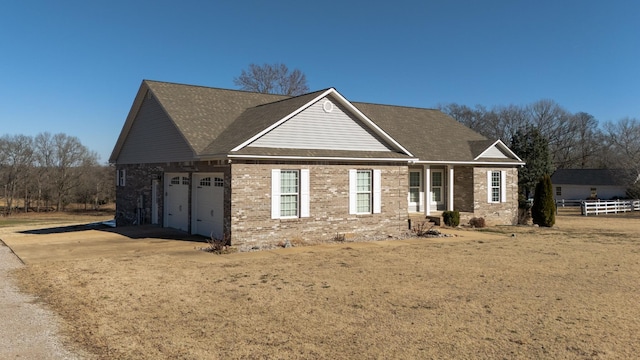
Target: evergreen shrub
{"type": "Point", "coordinates": [543, 211]}
{"type": "Point", "coordinates": [451, 218]}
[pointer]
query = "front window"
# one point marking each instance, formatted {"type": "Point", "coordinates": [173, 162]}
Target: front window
{"type": "Point", "coordinates": [364, 191]}
{"type": "Point", "coordinates": [496, 186]}
{"type": "Point", "coordinates": [436, 186]}
{"type": "Point", "coordinates": [289, 193]}
{"type": "Point", "coordinates": [414, 187]}
{"type": "Point", "coordinates": [558, 190]}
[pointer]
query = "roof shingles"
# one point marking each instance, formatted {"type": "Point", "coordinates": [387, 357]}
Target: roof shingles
{"type": "Point", "coordinates": [214, 121]}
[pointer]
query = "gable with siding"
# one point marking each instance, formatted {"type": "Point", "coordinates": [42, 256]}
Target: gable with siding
{"type": "Point", "coordinates": [325, 125]}
{"type": "Point", "coordinates": [153, 137]}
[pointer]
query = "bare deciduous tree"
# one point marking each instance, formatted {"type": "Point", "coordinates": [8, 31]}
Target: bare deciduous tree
{"type": "Point", "coordinates": [272, 79]}
{"type": "Point", "coordinates": [16, 159]}
{"type": "Point", "coordinates": [623, 138]}
{"type": "Point", "coordinates": [574, 139]}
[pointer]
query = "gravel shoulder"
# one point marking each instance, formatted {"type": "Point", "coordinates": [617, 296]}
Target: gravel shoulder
{"type": "Point", "coordinates": [29, 330]}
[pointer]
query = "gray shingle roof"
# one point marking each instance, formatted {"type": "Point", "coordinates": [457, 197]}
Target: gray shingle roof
{"type": "Point", "coordinates": [214, 121]}
{"type": "Point", "coordinates": [428, 134]}
{"type": "Point", "coordinates": [602, 177]}
{"type": "Point", "coordinates": [202, 113]}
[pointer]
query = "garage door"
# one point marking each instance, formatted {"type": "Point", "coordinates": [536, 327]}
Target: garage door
{"type": "Point", "coordinates": [176, 212]}
{"type": "Point", "coordinates": [208, 200]}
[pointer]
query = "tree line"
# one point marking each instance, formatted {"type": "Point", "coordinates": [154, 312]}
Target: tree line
{"type": "Point", "coordinates": [548, 137]}
{"type": "Point", "coordinates": [50, 171]}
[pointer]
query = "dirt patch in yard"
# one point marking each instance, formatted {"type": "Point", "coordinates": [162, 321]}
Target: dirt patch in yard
{"type": "Point", "coordinates": [567, 292]}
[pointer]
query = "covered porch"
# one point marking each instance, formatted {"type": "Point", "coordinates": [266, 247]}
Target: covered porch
{"type": "Point", "coordinates": [434, 188]}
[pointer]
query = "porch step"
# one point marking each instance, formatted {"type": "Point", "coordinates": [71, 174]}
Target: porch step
{"type": "Point", "coordinates": [437, 220]}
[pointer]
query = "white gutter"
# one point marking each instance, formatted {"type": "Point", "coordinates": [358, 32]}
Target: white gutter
{"type": "Point", "coordinates": [324, 158]}
{"type": "Point", "coordinates": [471, 163]}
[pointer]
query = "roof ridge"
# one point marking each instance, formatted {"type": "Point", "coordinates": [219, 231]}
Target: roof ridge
{"type": "Point", "coordinates": [396, 106]}
{"type": "Point", "coordinates": [292, 97]}
{"type": "Point", "coordinates": [210, 87]}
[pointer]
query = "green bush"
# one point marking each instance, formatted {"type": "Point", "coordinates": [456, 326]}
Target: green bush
{"type": "Point", "coordinates": [451, 218]}
{"type": "Point", "coordinates": [543, 211]}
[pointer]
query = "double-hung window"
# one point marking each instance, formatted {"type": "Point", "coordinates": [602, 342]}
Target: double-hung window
{"type": "Point", "coordinates": [496, 186]}
{"type": "Point", "coordinates": [364, 191]}
{"type": "Point", "coordinates": [289, 193]}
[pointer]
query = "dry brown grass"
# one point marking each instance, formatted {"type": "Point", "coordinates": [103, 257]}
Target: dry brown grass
{"type": "Point", "coordinates": [568, 292]}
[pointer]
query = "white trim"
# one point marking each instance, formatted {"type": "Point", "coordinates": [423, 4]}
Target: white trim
{"type": "Point", "coordinates": [489, 187]}
{"type": "Point", "coordinates": [304, 193]}
{"type": "Point", "coordinates": [504, 147]}
{"type": "Point", "coordinates": [377, 191]}
{"type": "Point", "coordinates": [411, 161]}
{"type": "Point", "coordinates": [494, 163]}
{"type": "Point", "coordinates": [503, 186]}
{"type": "Point", "coordinates": [427, 187]}
{"type": "Point", "coordinates": [275, 193]}
{"type": "Point", "coordinates": [346, 104]}
{"type": "Point", "coordinates": [353, 191]}
{"type": "Point", "coordinates": [420, 204]}
{"type": "Point", "coordinates": [450, 192]}
{"type": "Point", "coordinates": [270, 157]}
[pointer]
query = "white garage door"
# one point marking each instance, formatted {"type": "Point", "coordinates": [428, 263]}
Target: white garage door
{"type": "Point", "coordinates": [208, 200]}
{"type": "Point", "coordinates": [176, 210]}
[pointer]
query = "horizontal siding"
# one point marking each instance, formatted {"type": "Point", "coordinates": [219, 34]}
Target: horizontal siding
{"type": "Point", "coordinates": [494, 153]}
{"type": "Point", "coordinates": [153, 138]}
{"type": "Point", "coordinates": [314, 128]}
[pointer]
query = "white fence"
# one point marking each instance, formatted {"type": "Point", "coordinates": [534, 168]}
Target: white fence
{"type": "Point", "coordinates": [595, 207]}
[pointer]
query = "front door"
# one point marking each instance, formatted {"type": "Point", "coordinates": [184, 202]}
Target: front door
{"type": "Point", "coordinates": [415, 185]}
{"type": "Point", "coordinates": [437, 186]}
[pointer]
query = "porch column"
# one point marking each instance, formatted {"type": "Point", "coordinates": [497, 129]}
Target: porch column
{"type": "Point", "coordinates": [427, 190]}
{"type": "Point", "coordinates": [450, 196]}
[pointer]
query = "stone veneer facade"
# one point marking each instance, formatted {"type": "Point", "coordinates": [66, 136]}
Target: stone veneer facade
{"type": "Point", "coordinates": [470, 194]}
{"type": "Point", "coordinates": [252, 226]}
{"type": "Point", "coordinates": [503, 213]}
{"type": "Point", "coordinates": [134, 200]}
{"type": "Point", "coordinates": [247, 197]}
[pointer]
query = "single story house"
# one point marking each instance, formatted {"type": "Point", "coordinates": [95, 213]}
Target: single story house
{"type": "Point", "coordinates": [258, 169]}
{"type": "Point", "coordinates": [582, 184]}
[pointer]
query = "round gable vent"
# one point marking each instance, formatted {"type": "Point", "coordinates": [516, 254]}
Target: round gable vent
{"type": "Point", "coordinates": [327, 106]}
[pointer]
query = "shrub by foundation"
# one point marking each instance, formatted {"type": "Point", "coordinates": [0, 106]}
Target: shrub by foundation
{"type": "Point", "coordinates": [477, 222]}
{"type": "Point", "coordinates": [451, 218]}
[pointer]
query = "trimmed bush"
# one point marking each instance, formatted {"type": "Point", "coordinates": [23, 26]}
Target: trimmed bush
{"type": "Point", "coordinates": [543, 211]}
{"type": "Point", "coordinates": [451, 218]}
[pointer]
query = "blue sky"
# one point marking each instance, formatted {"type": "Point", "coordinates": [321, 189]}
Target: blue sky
{"type": "Point", "coordinates": [75, 66]}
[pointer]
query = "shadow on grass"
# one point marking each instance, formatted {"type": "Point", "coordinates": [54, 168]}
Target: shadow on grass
{"type": "Point", "coordinates": [132, 232]}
